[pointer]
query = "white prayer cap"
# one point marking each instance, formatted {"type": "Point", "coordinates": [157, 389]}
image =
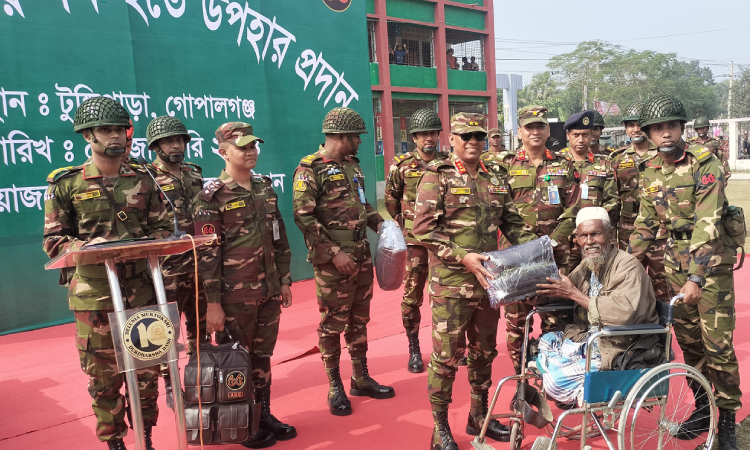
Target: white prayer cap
{"type": "Point", "coordinates": [592, 213]}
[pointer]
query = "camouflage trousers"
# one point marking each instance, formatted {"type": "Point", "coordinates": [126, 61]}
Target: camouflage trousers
{"type": "Point", "coordinates": [344, 304]}
{"type": "Point", "coordinates": [653, 261]}
{"type": "Point", "coordinates": [417, 269]}
{"type": "Point", "coordinates": [256, 326]}
{"type": "Point", "coordinates": [454, 321]}
{"type": "Point", "coordinates": [705, 334]}
{"type": "Point", "coordinates": [97, 355]}
{"type": "Point", "coordinates": [515, 322]}
{"type": "Point", "coordinates": [181, 290]}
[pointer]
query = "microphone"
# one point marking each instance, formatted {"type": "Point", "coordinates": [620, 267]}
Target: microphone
{"type": "Point", "coordinates": [177, 233]}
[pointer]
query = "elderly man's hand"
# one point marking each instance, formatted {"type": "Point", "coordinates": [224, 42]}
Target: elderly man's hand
{"type": "Point", "coordinates": [558, 288]}
{"type": "Point", "coordinates": [473, 262]}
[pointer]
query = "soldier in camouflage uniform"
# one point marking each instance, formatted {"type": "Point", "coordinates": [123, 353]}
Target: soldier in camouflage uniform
{"type": "Point", "coordinates": [701, 125]}
{"type": "Point", "coordinates": [682, 195]}
{"type": "Point", "coordinates": [598, 185]}
{"type": "Point", "coordinates": [400, 195]}
{"type": "Point", "coordinates": [181, 181]}
{"type": "Point", "coordinates": [333, 214]}
{"type": "Point", "coordinates": [596, 134]}
{"type": "Point", "coordinates": [495, 136]}
{"type": "Point", "coordinates": [79, 212]}
{"type": "Point", "coordinates": [544, 187]}
{"type": "Point", "coordinates": [246, 275]}
{"type": "Point", "coordinates": [627, 162]}
{"type": "Point", "coordinates": [461, 205]}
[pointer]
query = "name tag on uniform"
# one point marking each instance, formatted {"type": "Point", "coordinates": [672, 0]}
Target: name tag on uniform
{"type": "Point", "coordinates": [336, 177]}
{"type": "Point", "coordinates": [168, 187]}
{"type": "Point", "coordinates": [584, 191]}
{"type": "Point", "coordinates": [461, 191]}
{"type": "Point", "coordinates": [235, 205]}
{"type": "Point", "coordinates": [651, 190]}
{"type": "Point", "coordinates": [515, 173]}
{"type": "Point", "coordinates": [413, 174]}
{"type": "Point", "coordinates": [276, 233]}
{"type": "Point", "coordinates": [554, 195]}
{"type": "Point", "coordinates": [625, 165]}
{"type": "Point", "coordinates": [88, 195]}
{"type": "Point", "coordinates": [498, 189]}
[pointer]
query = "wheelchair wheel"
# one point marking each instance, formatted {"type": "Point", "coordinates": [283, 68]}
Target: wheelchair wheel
{"type": "Point", "coordinates": [516, 437]}
{"type": "Point", "coordinates": [656, 406]}
{"type": "Point", "coordinates": [542, 442]}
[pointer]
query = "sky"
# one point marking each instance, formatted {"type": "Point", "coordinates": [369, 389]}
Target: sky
{"type": "Point", "coordinates": [715, 33]}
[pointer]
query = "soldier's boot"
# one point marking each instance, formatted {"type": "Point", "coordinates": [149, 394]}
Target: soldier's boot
{"type": "Point", "coordinates": [262, 439]}
{"type": "Point", "coordinates": [727, 430]}
{"type": "Point", "coordinates": [147, 430]}
{"type": "Point", "coordinates": [338, 402]}
{"type": "Point", "coordinates": [415, 365]}
{"type": "Point", "coordinates": [363, 385]}
{"type": "Point", "coordinates": [478, 413]}
{"type": "Point", "coordinates": [268, 422]}
{"type": "Point", "coordinates": [442, 439]}
{"type": "Point", "coordinates": [699, 420]}
{"type": "Point", "coordinates": [464, 361]}
{"type": "Point", "coordinates": [116, 444]}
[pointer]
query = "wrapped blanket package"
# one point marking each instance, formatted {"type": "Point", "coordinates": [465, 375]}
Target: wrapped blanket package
{"type": "Point", "coordinates": [517, 271]}
{"type": "Point", "coordinates": [390, 261]}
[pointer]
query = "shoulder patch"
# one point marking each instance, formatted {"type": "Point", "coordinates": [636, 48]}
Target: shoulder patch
{"type": "Point", "coordinates": [207, 193]}
{"type": "Point", "coordinates": [308, 160]}
{"type": "Point", "coordinates": [63, 172]}
{"type": "Point", "coordinates": [137, 167]}
{"type": "Point", "coordinates": [436, 164]}
{"type": "Point", "coordinates": [194, 166]}
{"type": "Point", "coordinates": [398, 159]}
{"type": "Point", "coordinates": [701, 153]}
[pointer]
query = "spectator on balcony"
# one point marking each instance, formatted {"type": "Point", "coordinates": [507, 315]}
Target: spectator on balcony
{"type": "Point", "coordinates": [474, 65]}
{"type": "Point", "coordinates": [390, 54]}
{"type": "Point", "coordinates": [466, 64]}
{"type": "Point", "coordinates": [452, 63]}
{"type": "Point", "coordinates": [399, 54]}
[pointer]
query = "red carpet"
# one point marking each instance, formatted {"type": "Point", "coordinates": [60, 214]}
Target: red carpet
{"type": "Point", "coordinates": [44, 402]}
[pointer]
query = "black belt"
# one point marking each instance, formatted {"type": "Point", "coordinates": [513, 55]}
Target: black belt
{"type": "Point", "coordinates": [359, 234]}
{"type": "Point", "coordinates": [682, 235]}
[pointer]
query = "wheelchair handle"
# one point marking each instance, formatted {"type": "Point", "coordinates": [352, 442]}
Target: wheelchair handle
{"type": "Point", "coordinates": [675, 299]}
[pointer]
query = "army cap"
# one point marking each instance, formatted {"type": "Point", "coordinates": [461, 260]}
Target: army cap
{"type": "Point", "coordinates": [580, 121]}
{"type": "Point", "coordinates": [237, 133]}
{"type": "Point", "coordinates": [531, 114]}
{"type": "Point", "coordinates": [100, 112]}
{"type": "Point", "coordinates": [495, 132]}
{"type": "Point", "coordinates": [468, 123]}
{"type": "Point", "coordinates": [701, 122]}
{"type": "Point", "coordinates": [662, 108]}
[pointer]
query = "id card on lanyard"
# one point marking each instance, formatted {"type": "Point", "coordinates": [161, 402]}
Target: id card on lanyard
{"type": "Point", "coordinates": [360, 191]}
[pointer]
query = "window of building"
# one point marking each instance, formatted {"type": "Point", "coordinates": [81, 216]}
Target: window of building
{"type": "Point", "coordinates": [378, 135]}
{"type": "Point", "coordinates": [464, 50]}
{"type": "Point", "coordinates": [371, 40]}
{"type": "Point", "coordinates": [402, 112]}
{"type": "Point", "coordinates": [410, 45]}
{"type": "Point", "coordinates": [456, 107]}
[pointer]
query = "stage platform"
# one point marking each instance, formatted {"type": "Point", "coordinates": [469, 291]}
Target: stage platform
{"type": "Point", "coordinates": [44, 403]}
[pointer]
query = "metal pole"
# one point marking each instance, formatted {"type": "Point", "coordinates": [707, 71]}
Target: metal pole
{"type": "Point", "coordinates": [174, 368]}
{"type": "Point", "coordinates": [130, 375]}
{"type": "Point", "coordinates": [729, 101]}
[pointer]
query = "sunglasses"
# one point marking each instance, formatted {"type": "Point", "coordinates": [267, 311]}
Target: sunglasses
{"type": "Point", "coordinates": [478, 135]}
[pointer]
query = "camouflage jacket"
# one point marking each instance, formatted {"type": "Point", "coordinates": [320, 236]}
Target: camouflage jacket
{"type": "Point", "coordinates": [401, 189]}
{"type": "Point", "coordinates": [253, 254]}
{"type": "Point", "coordinates": [686, 201]}
{"type": "Point", "coordinates": [598, 174]}
{"type": "Point", "coordinates": [626, 163]}
{"type": "Point", "coordinates": [76, 211]}
{"type": "Point", "coordinates": [457, 214]}
{"type": "Point", "coordinates": [328, 209]}
{"type": "Point", "coordinates": [529, 187]}
{"type": "Point", "coordinates": [181, 191]}
{"type": "Point", "coordinates": [717, 148]}
{"type": "Point", "coordinates": [603, 150]}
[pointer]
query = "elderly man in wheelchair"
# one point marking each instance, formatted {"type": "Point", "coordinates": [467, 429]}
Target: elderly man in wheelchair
{"type": "Point", "coordinates": [610, 366]}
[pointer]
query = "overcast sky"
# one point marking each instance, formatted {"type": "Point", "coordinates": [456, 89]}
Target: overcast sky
{"type": "Point", "coordinates": [527, 34]}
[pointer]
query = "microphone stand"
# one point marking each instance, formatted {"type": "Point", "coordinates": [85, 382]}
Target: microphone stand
{"type": "Point", "coordinates": [177, 233]}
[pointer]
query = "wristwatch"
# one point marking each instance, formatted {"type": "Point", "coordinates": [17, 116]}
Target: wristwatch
{"type": "Point", "coordinates": [698, 279]}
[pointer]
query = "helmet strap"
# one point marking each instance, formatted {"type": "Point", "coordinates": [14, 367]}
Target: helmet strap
{"type": "Point", "coordinates": [667, 149]}
{"type": "Point", "coordinates": [169, 158]}
{"type": "Point", "coordinates": [108, 151]}
{"type": "Point", "coordinates": [637, 139]}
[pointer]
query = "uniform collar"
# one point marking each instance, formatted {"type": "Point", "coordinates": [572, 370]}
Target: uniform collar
{"type": "Point", "coordinates": [657, 161]}
{"type": "Point", "coordinates": [523, 156]}
{"type": "Point", "coordinates": [90, 170]}
{"type": "Point", "coordinates": [461, 168]}
{"type": "Point", "coordinates": [159, 164]}
{"type": "Point", "coordinates": [327, 158]}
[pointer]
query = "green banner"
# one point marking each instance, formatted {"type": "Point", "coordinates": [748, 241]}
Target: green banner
{"type": "Point", "coordinates": [279, 65]}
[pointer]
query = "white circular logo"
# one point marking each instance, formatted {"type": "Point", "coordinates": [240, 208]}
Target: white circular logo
{"type": "Point", "coordinates": [148, 335]}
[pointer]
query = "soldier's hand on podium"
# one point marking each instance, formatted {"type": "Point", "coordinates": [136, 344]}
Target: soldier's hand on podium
{"type": "Point", "coordinates": [286, 296]}
{"type": "Point", "coordinates": [214, 318]}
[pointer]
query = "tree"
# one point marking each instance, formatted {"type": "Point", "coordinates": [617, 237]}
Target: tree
{"type": "Point", "coordinates": [741, 92]}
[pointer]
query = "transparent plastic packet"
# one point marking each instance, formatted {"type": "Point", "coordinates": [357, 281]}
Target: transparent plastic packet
{"type": "Point", "coordinates": [518, 269]}
{"type": "Point", "coordinates": [390, 260]}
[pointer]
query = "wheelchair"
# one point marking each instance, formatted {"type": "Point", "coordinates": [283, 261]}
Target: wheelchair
{"type": "Point", "coordinates": [645, 407]}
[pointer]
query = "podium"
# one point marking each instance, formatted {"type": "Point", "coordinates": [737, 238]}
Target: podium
{"type": "Point", "coordinates": [109, 254]}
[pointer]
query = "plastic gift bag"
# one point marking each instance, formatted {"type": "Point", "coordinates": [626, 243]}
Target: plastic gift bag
{"type": "Point", "coordinates": [390, 261]}
{"type": "Point", "coordinates": [517, 271]}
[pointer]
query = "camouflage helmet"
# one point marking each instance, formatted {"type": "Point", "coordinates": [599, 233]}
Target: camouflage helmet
{"type": "Point", "coordinates": [165, 126]}
{"type": "Point", "coordinates": [662, 108]}
{"type": "Point", "coordinates": [100, 112]}
{"type": "Point", "coordinates": [424, 119]}
{"type": "Point", "coordinates": [632, 112]}
{"type": "Point", "coordinates": [343, 121]}
{"type": "Point", "coordinates": [701, 122]}
{"type": "Point", "coordinates": [598, 120]}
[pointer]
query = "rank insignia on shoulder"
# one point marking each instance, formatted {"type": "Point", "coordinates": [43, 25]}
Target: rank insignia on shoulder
{"type": "Point", "coordinates": [336, 177]}
{"type": "Point", "coordinates": [461, 191]}
{"type": "Point", "coordinates": [168, 187]}
{"type": "Point", "coordinates": [498, 189]}
{"type": "Point", "coordinates": [460, 166]}
{"type": "Point", "coordinates": [413, 174]}
{"type": "Point", "coordinates": [651, 190]}
{"type": "Point", "coordinates": [300, 185]}
{"type": "Point", "coordinates": [235, 205]}
{"type": "Point", "coordinates": [515, 173]}
{"type": "Point", "coordinates": [88, 195]}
